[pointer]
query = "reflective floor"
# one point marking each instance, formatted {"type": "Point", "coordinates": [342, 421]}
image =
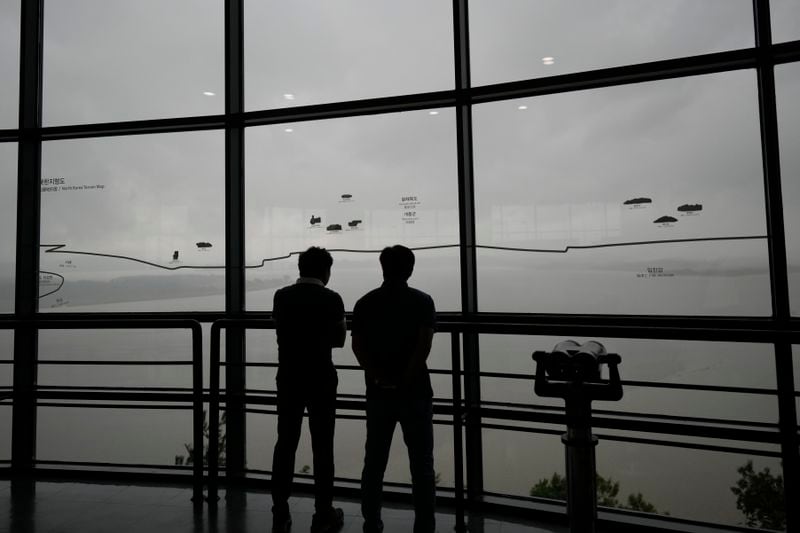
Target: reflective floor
{"type": "Point", "coordinates": [66, 507]}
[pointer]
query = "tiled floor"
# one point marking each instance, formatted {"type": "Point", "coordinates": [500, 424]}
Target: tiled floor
{"type": "Point", "coordinates": [67, 507]}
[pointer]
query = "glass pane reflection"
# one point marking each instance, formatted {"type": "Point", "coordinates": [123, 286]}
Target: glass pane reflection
{"type": "Point", "coordinates": [642, 199]}
{"type": "Point", "coordinates": [301, 53]}
{"type": "Point", "coordinates": [353, 186]}
{"type": "Point", "coordinates": [133, 223]}
{"type": "Point", "coordinates": [112, 60]}
{"type": "Point", "coordinates": [520, 39]}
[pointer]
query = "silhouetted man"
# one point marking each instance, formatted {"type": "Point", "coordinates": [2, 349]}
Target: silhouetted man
{"type": "Point", "coordinates": [309, 322]}
{"type": "Point", "coordinates": [392, 334]}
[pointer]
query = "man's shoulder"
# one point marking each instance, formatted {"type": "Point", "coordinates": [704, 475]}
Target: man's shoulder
{"type": "Point", "coordinates": [420, 294]}
{"type": "Point", "coordinates": [421, 297]}
{"type": "Point", "coordinates": [308, 290]}
{"type": "Point", "coordinates": [371, 295]}
{"type": "Point", "coordinates": [382, 297]}
{"type": "Point", "coordinates": [281, 293]}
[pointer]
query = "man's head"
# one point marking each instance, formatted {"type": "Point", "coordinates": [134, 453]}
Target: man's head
{"type": "Point", "coordinates": [397, 263]}
{"type": "Point", "coordinates": [315, 263]}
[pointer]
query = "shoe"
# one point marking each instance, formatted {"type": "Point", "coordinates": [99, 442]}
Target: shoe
{"type": "Point", "coordinates": [281, 524]}
{"type": "Point", "coordinates": [327, 522]}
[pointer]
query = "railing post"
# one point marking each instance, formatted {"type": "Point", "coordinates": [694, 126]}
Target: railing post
{"type": "Point", "coordinates": [213, 416]}
{"type": "Point", "coordinates": [458, 428]}
{"type": "Point", "coordinates": [779, 277]}
{"type": "Point", "coordinates": [197, 411]}
{"type": "Point", "coordinates": [235, 426]}
{"type": "Point", "coordinates": [469, 287]}
{"type": "Point", "coordinates": [23, 446]}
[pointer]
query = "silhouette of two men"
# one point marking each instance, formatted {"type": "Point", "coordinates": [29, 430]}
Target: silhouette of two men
{"type": "Point", "coordinates": [392, 333]}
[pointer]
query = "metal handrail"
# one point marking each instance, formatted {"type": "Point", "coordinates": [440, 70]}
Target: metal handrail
{"type": "Point", "coordinates": [449, 407]}
{"type": "Point", "coordinates": [136, 323]}
{"type": "Point", "coordinates": [459, 412]}
{"type": "Point", "coordinates": [759, 330]}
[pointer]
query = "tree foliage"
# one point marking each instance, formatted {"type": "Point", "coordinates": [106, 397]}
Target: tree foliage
{"type": "Point", "coordinates": [190, 457]}
{"type": "Point", "coordinates": [759, 496]}
{"type": "Point", "coordinates": [636, 502]}
{"type": "Point", "coordinates": [555, 488]}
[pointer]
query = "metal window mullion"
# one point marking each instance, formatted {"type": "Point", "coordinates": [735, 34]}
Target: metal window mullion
{"type": "Point", "coordinates": [779, 279]}
{"type": "Point", "coordinates": [469, 287]}
{"type": "Point", "coordinates": [23, 447]}
{"type": "Point", "coordinates": [234, 238]}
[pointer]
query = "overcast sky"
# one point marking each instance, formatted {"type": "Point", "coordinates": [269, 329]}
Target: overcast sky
{"type": "Point", "coordinates": [550, 171]}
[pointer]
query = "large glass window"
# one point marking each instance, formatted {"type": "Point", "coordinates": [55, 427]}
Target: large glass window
{"type": "Point", "coordinates": [785, 15]}
{"type": "Point", "coordinates": [642, 199]}
{"type": "Point", "coordinates": [519, 39]}
{"type": "Point", "coordinates": [9, 63]}
{"type": "Point", "coordinates": [133, 223]}
{"type": "Point", "coordinates": [353, 186]}
{"type": "Point", "coordinates": [112, 60]}
{"type": "Point", "coordinates": [300, 53]}
{"type": "Point", "coordinates": [8, 224]}
{"type": "Point", "coordinates": [787, 86]}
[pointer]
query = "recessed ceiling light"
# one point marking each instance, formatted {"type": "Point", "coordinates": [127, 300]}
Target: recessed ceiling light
{"type": "Point", "coordinates": [288, 130]}
{"type": "Point", "coordinates": [209, 93]}
{"type": "Point", "coordinates": [288, 96]}
{"type": "Point", "coordinates": [433, 112]}
{"type": "Point", "coordinates": [522, 107]}
{"type": "Point", "coordinates": [548, 60]}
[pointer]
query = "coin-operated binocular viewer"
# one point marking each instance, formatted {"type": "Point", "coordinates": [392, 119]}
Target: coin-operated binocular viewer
{"type": "Point", "coordinates": [573, 372]}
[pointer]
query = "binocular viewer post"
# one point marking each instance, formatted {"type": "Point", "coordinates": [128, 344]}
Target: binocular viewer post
{"type": "Point", "coordinates": [573, 372]}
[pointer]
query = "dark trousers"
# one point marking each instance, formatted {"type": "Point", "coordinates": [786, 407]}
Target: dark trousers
{"type": "Point", "coordinates": [294, 396]}
{"type": "Point", "coordinates": [414, 412]}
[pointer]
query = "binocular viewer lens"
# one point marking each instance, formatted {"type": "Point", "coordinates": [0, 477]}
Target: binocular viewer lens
{"type": "Point", "coordinates": [572, 361]}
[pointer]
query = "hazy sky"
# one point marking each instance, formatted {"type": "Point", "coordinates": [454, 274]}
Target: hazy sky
{"type": "Point", "coordinates": [550, 171]}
